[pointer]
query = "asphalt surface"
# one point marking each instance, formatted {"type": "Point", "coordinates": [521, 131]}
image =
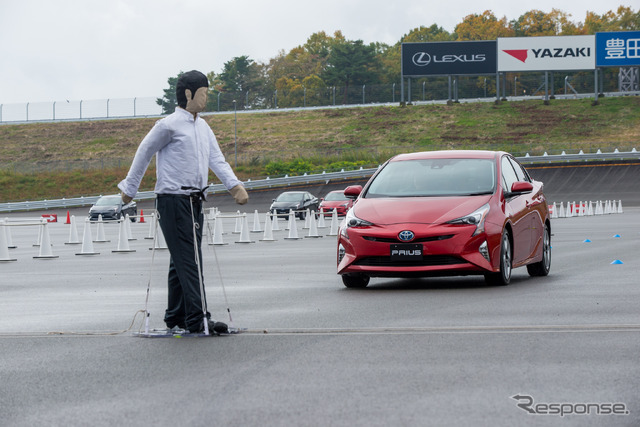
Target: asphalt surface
{"type": "Point", "coordinates": [438, 351]}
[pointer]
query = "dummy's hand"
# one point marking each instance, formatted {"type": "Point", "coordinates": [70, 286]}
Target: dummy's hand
{"type": "Point", "coordinates": [126, 199]}
{"type": "Point", "coordinates": [239, 194]}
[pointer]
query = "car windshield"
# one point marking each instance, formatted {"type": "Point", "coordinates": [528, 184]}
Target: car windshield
{"type": "Point", "coordinates": [335, 196]}
{"type": "Point", "coordinates": [108, 201]}
{"type": "Point", "coordinates": [434, 177]}
{"type": "Point", "coordinates": [289, 197]}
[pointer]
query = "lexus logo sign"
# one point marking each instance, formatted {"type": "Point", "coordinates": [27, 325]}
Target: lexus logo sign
{"type": "Point", "coordinates": [446, 58]}
{"type": "Point", "coordinates": [421, 59]}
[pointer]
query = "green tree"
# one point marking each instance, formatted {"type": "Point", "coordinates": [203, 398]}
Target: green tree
{"type": "Point", "coordinates": [168, 102]}
{"type": "Point", "coordinates": [624, 19]}
{"type": "Point", "coordinates": [483, 27]}
{"type": "Point", "coordinates": [538, 23]}
{"type": "Point", "coordinates": [239, 77]}
{"type": "Point", "coordinates": [351, 62]}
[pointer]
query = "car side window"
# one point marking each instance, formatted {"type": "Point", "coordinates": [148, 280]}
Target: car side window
{"type": "Point", "coordinates": [509, 175]}
{"type": "Point", "coordinates": [520, 172]}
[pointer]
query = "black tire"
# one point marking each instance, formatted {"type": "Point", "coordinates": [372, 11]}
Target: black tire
{"type": "Point", "coordinates": [355, 280]}
{"type": "Point", "coordinates": [542, 268]}
{"type": "Point", "coordinates": [502, 277]}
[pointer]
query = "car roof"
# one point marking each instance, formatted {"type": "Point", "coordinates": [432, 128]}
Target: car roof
{"type": "Point", "coordinates": [449, 154]}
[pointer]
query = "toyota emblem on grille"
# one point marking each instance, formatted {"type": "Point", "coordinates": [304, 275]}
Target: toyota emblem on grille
{"type": "Point", "coordinates": [406, 236]}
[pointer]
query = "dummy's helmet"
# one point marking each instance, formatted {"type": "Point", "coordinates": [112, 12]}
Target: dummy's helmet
{"type": "Point", "coordinates": [192, 80]}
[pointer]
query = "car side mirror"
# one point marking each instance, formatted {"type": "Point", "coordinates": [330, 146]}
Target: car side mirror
{"type": "Point", "coordinates": [520, 187]}
{"type": "Point", "coordinates": [353, 191]}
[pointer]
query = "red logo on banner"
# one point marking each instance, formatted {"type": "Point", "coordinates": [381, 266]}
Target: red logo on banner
{"type": "Point", "coordinates": [50, 217]}
{"type": "Point", "coordinates": [519, 54]}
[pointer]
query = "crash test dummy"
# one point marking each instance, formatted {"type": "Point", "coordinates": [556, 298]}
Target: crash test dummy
{"type": "Point", "coordinates": [185, 149]}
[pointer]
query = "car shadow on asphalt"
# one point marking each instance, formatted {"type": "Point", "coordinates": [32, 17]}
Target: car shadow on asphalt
{"type": "Point", "coordinates": [437, 283]}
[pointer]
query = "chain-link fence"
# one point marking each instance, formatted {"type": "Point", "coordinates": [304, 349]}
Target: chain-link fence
{"type": "Point", "coordinates": [425, 89]}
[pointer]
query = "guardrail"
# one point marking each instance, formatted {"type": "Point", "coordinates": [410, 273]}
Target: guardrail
{"type": "Point", "coordinates": [326, 177]}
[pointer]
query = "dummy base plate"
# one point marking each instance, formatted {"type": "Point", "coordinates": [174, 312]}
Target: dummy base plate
{"type": "Point", "coordinates": [183, 333]}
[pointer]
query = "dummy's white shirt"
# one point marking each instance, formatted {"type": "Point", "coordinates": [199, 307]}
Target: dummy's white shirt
{"type": "Point", "coordinates": [186, 149]}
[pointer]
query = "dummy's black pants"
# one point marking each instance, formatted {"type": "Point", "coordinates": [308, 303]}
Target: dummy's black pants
{"type": "Point", "coordinates": [184, 307]}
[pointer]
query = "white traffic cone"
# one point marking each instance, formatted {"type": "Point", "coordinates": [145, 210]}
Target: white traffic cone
{"type": "Point", "coordinates": [4, 247]}
{"type": "Point", "coordinates": [159, 242]}
{"type": "Point", "coordinates": [290, 218]}
{"type": "Point", "coordinates": [100, 238]}
{"type": "Point", "coordinates": [39, 239]}
{"type": "Point", "coordinates": [45, 243]}
{"type": "Point", "coordinates": [569, 210]}
{"type": "Point", "coordinates": [561, 212]}
{"type": "Point", "coordinates": [244, 230]}
{"type": "Point", "coordinates": [268, 230]}
{"type": "Point", "coordinates": [590, 208]}
{"type": "Point", "coordinates": [293, 228]}
{"type": "Point", "coordinates": [238, 227]}
{"type": "Point", "coordinates": [123, 239]}
{"type": "Point", "coordinates": [152, 226]}
{"type": "Point", "coordinates": [554, 211]}
{"type": "Point", "coordinates": [87, 240]}
{"type": "Point", "coordinates": [334, 223]}
{"type": "Point", "coordinates": [306, 220]}
{"type": "Point", "coordinates": [321, 223]}
{"type": "Point", "coordinates": [217, 232]}
{"type": "Point", "coordinates": [10, 244]}
{"type": "Point", "coordinates": [580, 209]}
{"type": "Point", "coordinates": [275, 223]}
{"type": "Point", "coordinates": [73, 232]}
{"type": "Point", "coordinates": [127, 227]}
{"type": "Point", "coordinates": [598, 208]}
{"type": "Point", "coordinates": [620, 207]}
{"type": "Point", "coordinates": [256, 223]}
{"type": "Point", "coordinates": [313, 228]}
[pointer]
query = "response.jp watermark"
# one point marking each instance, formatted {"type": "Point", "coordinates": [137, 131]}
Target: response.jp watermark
{"type": "Point", "coordinates": [562, 409]}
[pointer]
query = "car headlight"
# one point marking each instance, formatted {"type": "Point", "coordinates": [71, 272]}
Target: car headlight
{"type": "Point", "coordinates": [476, 218]}
{"type": "Point", "coordinates": [351, 220]}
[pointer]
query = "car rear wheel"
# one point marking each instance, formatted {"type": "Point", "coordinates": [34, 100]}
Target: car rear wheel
{"type": "Point", "coordinates": [502, 277]}
{"type": "Point", "coordinates": [542, 268]}
{"type": "Point", "coordinates": [355, 280]}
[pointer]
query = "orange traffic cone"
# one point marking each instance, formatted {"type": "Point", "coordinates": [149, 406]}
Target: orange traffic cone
{"type": "Point", "coordinates": [68, 221]}
{"type": "Point", "coordinates": [141, 215]}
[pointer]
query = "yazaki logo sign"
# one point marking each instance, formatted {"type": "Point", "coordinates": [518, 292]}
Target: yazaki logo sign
{"type": "Point", "coordinates": [547, 53]}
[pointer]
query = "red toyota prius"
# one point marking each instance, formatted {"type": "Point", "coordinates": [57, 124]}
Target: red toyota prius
{"type": "Point", "coordinates": [446, 213]}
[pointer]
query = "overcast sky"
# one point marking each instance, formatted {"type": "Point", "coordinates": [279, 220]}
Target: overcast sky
{"type": "Point", "coordinates": [94, 49]}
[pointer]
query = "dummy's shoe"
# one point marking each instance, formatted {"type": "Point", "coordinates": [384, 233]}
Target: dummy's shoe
{"type": "Point", "coordinates": [218, 327]}
{"type": "Point", "coordinates": [214, 328]}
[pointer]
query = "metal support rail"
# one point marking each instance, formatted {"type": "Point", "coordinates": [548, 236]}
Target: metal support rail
{"type": "Point", "coordinates": [325, 177]}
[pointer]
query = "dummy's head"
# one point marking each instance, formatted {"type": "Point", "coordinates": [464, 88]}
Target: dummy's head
{"type": "Point", "coordinates": [191, 91]}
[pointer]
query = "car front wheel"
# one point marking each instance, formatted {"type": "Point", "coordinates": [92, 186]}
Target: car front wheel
{"type": "Point", "coordinates": [355, 280]}
{"type": "Point", "coordinates": [502, 277]}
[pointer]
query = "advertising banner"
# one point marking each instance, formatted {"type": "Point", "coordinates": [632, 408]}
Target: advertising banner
{"type": "Point", "coordinates": [618, 49]}
{"type": "Point", "coordinates": [555, 53]}
{"type": "Point", "coordinates": [448, 58]}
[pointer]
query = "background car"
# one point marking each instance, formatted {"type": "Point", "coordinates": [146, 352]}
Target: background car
{"type": "Point", "coordinates": [446, 213]}
{"type": "Point", "coordinates": [336, 200]}
{"type": "Point", "coordinates": [298, 201]}
{"type": "Point", "coordinates": [112, 208]}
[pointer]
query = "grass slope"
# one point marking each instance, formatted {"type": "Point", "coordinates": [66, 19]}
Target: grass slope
{"type": "Point", "coordinates": [368, 135]}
